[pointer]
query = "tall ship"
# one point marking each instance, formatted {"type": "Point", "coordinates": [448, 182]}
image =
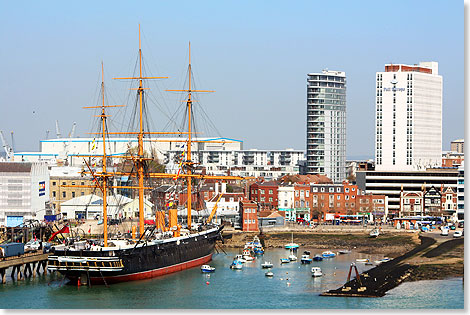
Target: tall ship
{"type": "Point", "coordinates": [159, 249]}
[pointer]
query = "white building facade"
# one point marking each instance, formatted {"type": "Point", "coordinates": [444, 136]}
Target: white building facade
{"type": "Point", "coordinates": [326, 124]}
{"type": "Point", "coordinates": [408, 131]}
{"type": "Point", "coordinates": [24, 192]}
{"type": "Point", "coordinates": [285, 199]}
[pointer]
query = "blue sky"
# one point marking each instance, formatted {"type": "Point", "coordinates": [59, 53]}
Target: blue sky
{"type": "Point", "coordinates": [255, 54]}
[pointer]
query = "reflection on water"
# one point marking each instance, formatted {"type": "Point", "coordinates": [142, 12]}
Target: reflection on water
{"type": "Point", "coordinates": [291, 287]}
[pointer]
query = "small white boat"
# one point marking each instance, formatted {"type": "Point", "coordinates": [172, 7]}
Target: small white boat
{"type": "Point", "coordinates": [269, 274]}
{"type": "Point", "coordinates": [305, 259]}
{"type": "Point", "coordinates": [344, 251]}
{"type": "Point", "coordinates": [267, 264]}
{"type": "Point", "coordinates": [374, 233]}
{"type": "Point", "coordinates": [292, 257]}
{"type": "Point", "coordinates": [362, 260]}
{"type": "Point", "coordinates": [385, 259]}
{"type": "Point", "coordinates": [316, 272]}
{"type": "Point", "coordinates": [240, 258]}
{"type": "Point", "coordinates": [285, 260]}
{"type": "Point", "coordinates": [328, 254]}
{"type": "Point", "coordinates": [207, 268]}
{"type": "Point", "coordinates": [378, 262]}
{"type": "Point", "coordinates": [247, 255]}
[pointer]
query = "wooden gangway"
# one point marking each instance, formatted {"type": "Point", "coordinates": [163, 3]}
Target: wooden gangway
{"type": "Point", "coordinates": [26, 265]}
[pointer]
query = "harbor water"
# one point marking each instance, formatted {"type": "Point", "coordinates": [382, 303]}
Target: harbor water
{"type": "Point", "coordinates": [291, 287]}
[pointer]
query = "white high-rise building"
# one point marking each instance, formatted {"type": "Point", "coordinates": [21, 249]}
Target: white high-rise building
{"type": "Point", "coordinates": [408, 129]}
{"type": "Point", "coordinates": [326, 124]}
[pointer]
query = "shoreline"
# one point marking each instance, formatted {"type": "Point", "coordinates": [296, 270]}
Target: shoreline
{"type": "Point", "coordinates": [445, 258]}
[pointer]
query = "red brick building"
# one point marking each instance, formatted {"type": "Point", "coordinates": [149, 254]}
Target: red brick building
{"type": "Point", "coordinates": [344, 199]}
{"type": "Point", "coordinates": [264, 194]}
{"type": "Point", "coordinates": [249, 216]}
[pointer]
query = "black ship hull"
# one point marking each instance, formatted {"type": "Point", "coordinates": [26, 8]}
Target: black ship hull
{"type": "Point", "coordinates": [140, 262]}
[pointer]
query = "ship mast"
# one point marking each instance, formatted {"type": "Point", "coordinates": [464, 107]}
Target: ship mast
{"type": "Point", "coordinates": [104, 174]}
{"type": "Point", "coordinates": [188, 161]}
{"type": "Point", "coordinates": [139, 160]}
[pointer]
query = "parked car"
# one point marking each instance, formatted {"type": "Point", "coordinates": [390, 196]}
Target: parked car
{"type": "Point", "coordinates": [452, 227]}
{"type": "Point", "coordinates": [457, 234]}
{"type": "Point", "coordinates": [445, 232]}
{"type": "Point", "coordinates": [32, 246]}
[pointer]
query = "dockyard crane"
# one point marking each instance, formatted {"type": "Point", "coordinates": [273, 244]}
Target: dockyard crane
{"type": "Point", "coordinates": [214, 209]}
{"type": "Point", "coordinates": [6, 147]}
{"type": "Point", "coordinates": [57, 130]}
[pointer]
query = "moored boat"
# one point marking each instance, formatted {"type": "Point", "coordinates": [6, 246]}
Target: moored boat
{"type": "Point", "coordinates": [285, 260]}
{"type": "Point", "coordinates": [236, 264]}
{"type": "Point", "coordinates": [344, 251]}
{"type": "Point", "coordinates": [328, 254]}
{"type": "Point", "coordinates": [269, 274]}
{"type": "Point", "coordinates": [305, 259]}
{"type": "Point", "coordinates": [318, 257]}
{"type": "Point", "coordinates": [267, 264]}
{"type": "Point", "coordinates": [207, 268]}
{"type": "Point", "coordinates": [316, 272]}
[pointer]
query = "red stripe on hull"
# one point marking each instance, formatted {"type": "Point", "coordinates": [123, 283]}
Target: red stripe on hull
{"type": "Point", "coordinates": [154, 273]}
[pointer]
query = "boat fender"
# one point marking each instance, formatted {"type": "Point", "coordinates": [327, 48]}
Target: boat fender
{"type": "Point", "coordinates": [207, 282]}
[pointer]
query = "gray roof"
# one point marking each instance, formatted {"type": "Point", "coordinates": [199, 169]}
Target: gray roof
{"type": "Point", "coordinates": [16, 167]}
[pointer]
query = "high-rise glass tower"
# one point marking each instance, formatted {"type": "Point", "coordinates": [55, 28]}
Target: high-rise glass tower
{"type": "Point", "coordinates": [326, 124]}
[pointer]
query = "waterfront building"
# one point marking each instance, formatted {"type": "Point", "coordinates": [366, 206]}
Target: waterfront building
{"type": "Point", "coordinates": [265, 194]}
{"type": "Point", "coordinates": [457, 146]}
{"type": "Point", "coordinates": [326, 124]}
{"type": "Point", "coordinates": [408, 117]}
{"type": "Point", "coordinates": [249, 216]}
{"type": "Point", "coordinates": [332, 198]}
{"type": "Point", "coordinates": [411, 203]}
{"type": "Point", "coordinates": [286, 201]}
{"type": "Point", "coordinates": [130, 209]}
{"type": "Point", "coordinates": [267, 219]}
{"type": "Point", "coordinates": [391, 183]}
{"type": "Point", "coordinates": [62, 176]}
{"type": "Point", "coordinates": [24, 192]}
{"type": "Point", "coordinates": [448, 202]}
{"type": "Point", "coordinates": [461, 192]}
{"type": "Point", "coordinates": [302, 201]}
{"type": "Point", "coordinates": [90, 207]}
{"type": "Point", "coordinates": [228, 207]}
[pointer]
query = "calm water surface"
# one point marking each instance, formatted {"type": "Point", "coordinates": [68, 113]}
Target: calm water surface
{"type": "Point", "coordinates": [291, 287]}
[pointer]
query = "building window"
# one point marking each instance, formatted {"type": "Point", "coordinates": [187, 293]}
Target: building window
{"type": "Point", "coordinates": [338, 197]}
{"type": "Point", "coordinates": [307, 193]}
{"type": "Point", "coordinates": [270, 199]}
{"type": "Point", "coordinates": [270, 191]}
{"type": "Point", "coordinates": [315, 189]}
{"type": "Point", "coordinates": [64, 183]}
{"type": "Point", "coordinates": [54, 194]}
{"type": "Point", "coordinates": [53, 183]}
{"type": "Point", "coordinates": [63, 194]}
{"type": "Point", "coordinates": [82, 193]}
{"type": "Point", "coordinates": [346, 190]}
{"type": "Point", "coordinates": [262, 191]}
{"type": "Point", "coordinates": [73, 194]}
